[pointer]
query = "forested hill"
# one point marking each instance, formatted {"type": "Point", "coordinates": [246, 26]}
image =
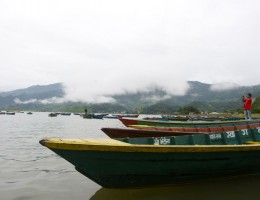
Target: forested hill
{"type": "Point", "coordinates": [205, 97]}
{"type": "Point", "coordinates": [36, 91]}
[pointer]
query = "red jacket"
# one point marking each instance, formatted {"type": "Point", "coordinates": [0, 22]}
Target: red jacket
{"type": "Point", "coordinates": [248, 103]}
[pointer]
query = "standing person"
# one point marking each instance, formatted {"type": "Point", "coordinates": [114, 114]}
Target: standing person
{"type": "Point", "coordinates": [247, 106]}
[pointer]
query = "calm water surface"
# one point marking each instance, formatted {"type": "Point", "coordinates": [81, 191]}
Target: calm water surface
{"type": "Point", "coordinates": [31, 171]}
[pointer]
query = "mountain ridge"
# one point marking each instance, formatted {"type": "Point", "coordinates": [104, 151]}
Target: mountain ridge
{"type": "Point", "coordinates": [200, 95]}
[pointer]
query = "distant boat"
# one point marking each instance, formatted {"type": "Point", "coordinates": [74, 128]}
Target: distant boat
{"type": "Point", "coordinates": [29, 113]}
{"type": "Point", "coordinates": [128, 115]}
{"type": "Point", "coordinates": [65, 113]}
{"type": "Point", "coordinates": [116, 116]}
{"type": "Point", "coordinates": [176, 118]}
{"type": "Point", "coordinates": [99, 116]}
{"type": "Point", "coordinates": [87, 116]}
{"type": "Point", "coordinates": [154, 161]}
{"type": "Point", "coordinates": [3, 112]}
{"type": "Point", "coordinates": [10, 113]}
{"type": "Point", "coordinates": [156, 118]}
{"type": "Point", "coordinates": [93, 116]}
{"type": "Point", "coordinates": [53, 115]}
{"type": "Point", "coordinates": [111, 116]}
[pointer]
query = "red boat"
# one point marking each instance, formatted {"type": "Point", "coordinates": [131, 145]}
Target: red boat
{"type": "Point", "coordinates": [154, 123]}
{"type": "Point", "coordinates": [135, 133]}
{"type": "Point", "coordinates": [149, 131]}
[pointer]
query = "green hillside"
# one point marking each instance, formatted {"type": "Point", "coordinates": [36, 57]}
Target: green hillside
{"type": "Point", "coordinates": [200, 96]}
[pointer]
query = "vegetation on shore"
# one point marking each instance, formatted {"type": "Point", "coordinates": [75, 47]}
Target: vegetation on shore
{"type": "Point", "coordinates": [200, 98]}
{"type": "Point", "coordinates": [162, 108]}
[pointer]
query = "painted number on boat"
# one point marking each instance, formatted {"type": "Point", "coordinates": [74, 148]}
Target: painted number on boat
{"type": "Point", "coordinates": [215, 136]}
{"type": "Point", "coordinates": [231, 134]}
{"type": "Point", "coordinates": [258, 129]}
{"type": "Point", "coordinates": [244, 132]}
{"type": "Point", "coordinates": [162, 141]}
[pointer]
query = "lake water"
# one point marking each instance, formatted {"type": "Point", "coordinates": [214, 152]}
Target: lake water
{"type": "Point", "coordinates": [31, 171]}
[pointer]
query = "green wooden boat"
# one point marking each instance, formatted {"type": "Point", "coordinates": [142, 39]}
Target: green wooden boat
{"type": "Point", "coordinates": [155, 131]}
{"type": "Point", "coordinates": [198, 124]}
{"type": "Point", "coordinates": [143, 162]}
{"type": "Point", "coordinates": [207, 129]}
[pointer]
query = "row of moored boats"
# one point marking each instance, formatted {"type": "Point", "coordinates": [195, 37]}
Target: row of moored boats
{"type": "Point", "coordinates": [156, 152]}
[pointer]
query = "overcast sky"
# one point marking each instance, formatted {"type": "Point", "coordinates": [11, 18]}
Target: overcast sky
{"type": "Point", "coordinates": [100, 47]}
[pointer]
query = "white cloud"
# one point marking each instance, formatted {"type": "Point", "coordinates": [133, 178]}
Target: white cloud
{"type": "Point", "coordinates": [18, 101]}
{"type": "Point", "coordinates": [43, 101]}
{"type": "Point", "coordinates": [101, 48]}
{"type": "Point", "coordinates": [156, 98]}
{"type": "Point", "coordinates": [223, 86]}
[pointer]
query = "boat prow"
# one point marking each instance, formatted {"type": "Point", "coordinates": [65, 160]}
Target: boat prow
{"type": "Point", "coordinates": [143, 162]}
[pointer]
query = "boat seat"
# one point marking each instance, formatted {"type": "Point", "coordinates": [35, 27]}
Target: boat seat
{"type": "Point", "coordinates": [256, 133]}
{"type": "Point", "coordinates": [180, 140]}
{"type": "Point", "coordinates": [230, 137]}
{"type": "Point", "coordinates": [246, 135]}
{"type": "Point", "coordinates": [216, 139]}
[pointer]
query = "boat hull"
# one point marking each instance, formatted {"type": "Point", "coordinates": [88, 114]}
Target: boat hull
{"type": "Point", "coordinates": [140, 169]}
{"type": "Point", "coordinates": [130, 122]}
{"type": "Point", "coordinates": [53, 115]}
{"type": "Point", "coordinates": [135, 133]}
{"type": "Point", "coordinates": [93, 116]}
{"type": "Point", "coordinates": [115, 164]}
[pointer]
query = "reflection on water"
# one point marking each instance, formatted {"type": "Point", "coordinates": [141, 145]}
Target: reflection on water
{"type": "Point", "coordinates": [237, 188]}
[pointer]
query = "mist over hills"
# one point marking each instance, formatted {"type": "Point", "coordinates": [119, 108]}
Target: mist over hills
{"type": "Point", "coordinates": [205, 97]}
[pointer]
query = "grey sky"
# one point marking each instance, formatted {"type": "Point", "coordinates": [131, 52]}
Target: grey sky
{"type": "Point", "coordinates": [99, 48]}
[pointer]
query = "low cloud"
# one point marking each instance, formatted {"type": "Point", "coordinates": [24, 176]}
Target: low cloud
{"type": "Point", "coordinates": [223, 86]}
{"type": "Point", "coordinates": [156, 98]}
{"type": "Point", "coordinates": [194, 95]}
{"type": "Point", "coordinates": [102, 90]}
{"type": "Point", "coordinates": [43, 101]}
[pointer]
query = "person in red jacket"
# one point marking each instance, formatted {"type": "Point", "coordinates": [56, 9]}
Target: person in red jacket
{"type": "Point", "coordinates": [247, 106]}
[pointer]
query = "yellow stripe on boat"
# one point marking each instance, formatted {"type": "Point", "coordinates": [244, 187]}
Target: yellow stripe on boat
{"type": "Point", "coordinates": [141, 126]}
{"type": "Point", "coordinates": [103, 144]}
{"type": "Point", "coordinates": [252, 142]}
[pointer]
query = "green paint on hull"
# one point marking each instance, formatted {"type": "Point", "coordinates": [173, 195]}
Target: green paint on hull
{"type": "Point", "coordinates": [222, 138]}
{"type": "Point", "coordinates": [140, 169]}
{"type": "Point", "coordinates": [141, 162]}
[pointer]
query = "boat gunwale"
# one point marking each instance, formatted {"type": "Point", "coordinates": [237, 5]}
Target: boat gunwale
{"type": "Point", "coordinates": [187, 122]}
{"type": "Point", "coordinates": [117, 146]}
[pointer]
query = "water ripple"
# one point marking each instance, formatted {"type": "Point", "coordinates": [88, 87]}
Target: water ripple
{"type": "Point", "coordinates": [31, 171]}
